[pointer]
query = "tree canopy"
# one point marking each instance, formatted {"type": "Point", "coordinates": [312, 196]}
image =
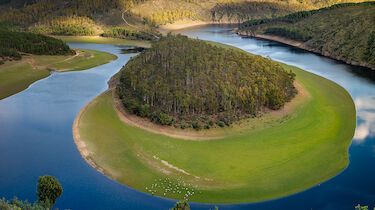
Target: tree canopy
{"type": "Point", "coordinates": [48, 189]}
{"type": "Point", "coordinates": [191, 83]}
{"type": "Point", "coordinates": [343, 31]}
{"type": "Point", "coordinates": [13, 43]}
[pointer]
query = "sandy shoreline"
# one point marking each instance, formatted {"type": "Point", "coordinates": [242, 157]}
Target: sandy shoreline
{"type": "Point", "coordinates": [81, 145]}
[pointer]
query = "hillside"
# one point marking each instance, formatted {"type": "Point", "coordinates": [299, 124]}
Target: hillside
{"type": "Point", "coordinates": [13, 44]}
{"type": "Point", "coordinates": [190, 83]}
{"type": "Point", "coordinates": [137, 17]}
{"type": "Point", "coordinates": [344, 32]}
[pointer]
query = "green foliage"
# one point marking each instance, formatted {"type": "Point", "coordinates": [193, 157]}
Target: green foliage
{"type": "Point", "coordinates": [66, 25]}
{"type": "Point", "coordinates": [343, 31]}
{"type": "Point", "coordinates": [359, 207]}
{"type": "Point", "coordinates": [126, 33]}
{"type": "Point", "coordinates": [291, 33]}
{"type": "Point", "coordinates": [248, 10]}
{"type": "Point", "coordinates": [11, 43]}
{"type": "Point", "coordinates": [297, 16]}
{"type": "Point", "coordinates": [22, 205]}
{"type": "Point", "coordinates": [159, 117]}
{"type": "Point", "coordinates": [369, 52]}
{"type": "Point", "coordinates": [188, 81]}
{"type": "Point", "coordinates": [181, 205]}
{"type": "Point", "coordinates": [48, 189]}
{"type": "Point", "coordinates": [169, 16]}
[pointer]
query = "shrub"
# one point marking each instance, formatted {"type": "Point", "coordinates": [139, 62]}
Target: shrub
{"type": "Point", "coordinates": [48, 189]}
{"type": "Point", "coordinates": [164, 119]}
{"type": "Point", "coordinates": [221, 124]}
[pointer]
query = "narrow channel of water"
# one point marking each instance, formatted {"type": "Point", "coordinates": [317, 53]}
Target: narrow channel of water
{"type": "Point", "coordinates": [36, 135]}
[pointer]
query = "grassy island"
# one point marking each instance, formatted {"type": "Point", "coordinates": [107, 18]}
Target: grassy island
{"type": "Point", "coordinates": [273, 155]}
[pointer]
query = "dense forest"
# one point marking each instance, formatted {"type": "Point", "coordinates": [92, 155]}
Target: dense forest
{"type": "Point", "coordinates": [13, 44]}
{"type": "Point", "coordinates": [69, 17]}
{"type": "Point", "coordinates": [344, 31]}
{"type": "Point", "coordinates": [126, 33]}
{"type": "Point", "coordinates": [93, 17]}
{"type": "Point", "coordinates": [234, 11]}
{"type": "Point", "coordinates": [190, 83]}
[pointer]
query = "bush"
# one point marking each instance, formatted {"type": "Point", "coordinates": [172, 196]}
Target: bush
{"type": "Point", "coordinates": [24, 205]}
{"type": "Point", "coordinates": [181, 205]}
{"type": "Point", "coordinates": [125, 33]}
{"type": "Point", "coordinates": [196, 125]}
{"type": "Point", "coordinates": [132, 105]}
{"type": "Point", "coordinates": [48, 189]}
{"type": "Point", "coordinates": [164, 119]}
{"type": "Point", "coordinates": [144, 110]}
{"type": "Point", "coordinates": [221, 124]}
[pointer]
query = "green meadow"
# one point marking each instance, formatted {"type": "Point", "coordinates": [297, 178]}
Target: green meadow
{"type": "Point", "coordinates": [16, 76]}
{"type": "Point", "coordinates": [271, 158]}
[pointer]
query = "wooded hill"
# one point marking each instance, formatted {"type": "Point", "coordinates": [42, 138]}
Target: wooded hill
{"type": "Point", "coordinates": [344, 31]}
{"type": "Point", "coordinates": [13, 44]}
{"type": "Point", "coordinates": [190, 83]}
{"type": "Point", "coordinates": [94, 17]}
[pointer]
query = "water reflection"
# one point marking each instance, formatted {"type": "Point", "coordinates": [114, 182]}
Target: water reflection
{"type": "Point", "coordinates": [132, 50]}
{"type": "Point", "coordinates": [366, 118]}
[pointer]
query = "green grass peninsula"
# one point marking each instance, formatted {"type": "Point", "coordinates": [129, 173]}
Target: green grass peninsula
{"type": "Point", "coordinates": [276, 153]}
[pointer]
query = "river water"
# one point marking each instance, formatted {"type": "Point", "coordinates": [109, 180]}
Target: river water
{"type": "Point", "coordinates": [36, 135]}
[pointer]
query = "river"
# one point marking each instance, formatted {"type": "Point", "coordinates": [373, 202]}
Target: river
{"type": "Point", "coordinates": [36, 135]}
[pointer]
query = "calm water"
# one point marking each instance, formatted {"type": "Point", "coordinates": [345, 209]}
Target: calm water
{"type": "Point", "coordinates": [36, 135]}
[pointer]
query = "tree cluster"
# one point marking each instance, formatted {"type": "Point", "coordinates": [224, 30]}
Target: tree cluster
{"type": "Point", "coordinates": [126, 33]}
{"type": "Point", "coordinates": [13, 43]}
{"type": "Point", "coordinates": [66, 25]}
{"type": "Point", "coordinates": [169, 16]}
{"type": "Point", "coordinates": [248, 10]}
{"type": "Point", "coordinates": [48, 190]}
{"type": "Point", "coordinates": [190, 83]}
{"type": "Point", "coordinates": [290, 32]}
{"type": "Point", "coordinates": [343, 31]}
{"type": "Point", "coordinates": [297, 16]}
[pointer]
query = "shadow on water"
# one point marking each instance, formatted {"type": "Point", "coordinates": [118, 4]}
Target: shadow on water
{"type": "Point", "coordinates": [132, 50]}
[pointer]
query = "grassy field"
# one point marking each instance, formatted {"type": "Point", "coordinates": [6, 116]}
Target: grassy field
{"type": "Point", "coordinates": [104, 40]}
{"type": "Point", "coordinates": [16, 76]}
{"type": "Point", "coordinates": [303, 150]}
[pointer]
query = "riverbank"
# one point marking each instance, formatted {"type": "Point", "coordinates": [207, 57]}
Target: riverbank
{"type": "Point", "coordinates": [301, 151]}
{"type": "Point", "coordinates": [16, 76]}
{"type": "Point", "coordinates": [302, 46]}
